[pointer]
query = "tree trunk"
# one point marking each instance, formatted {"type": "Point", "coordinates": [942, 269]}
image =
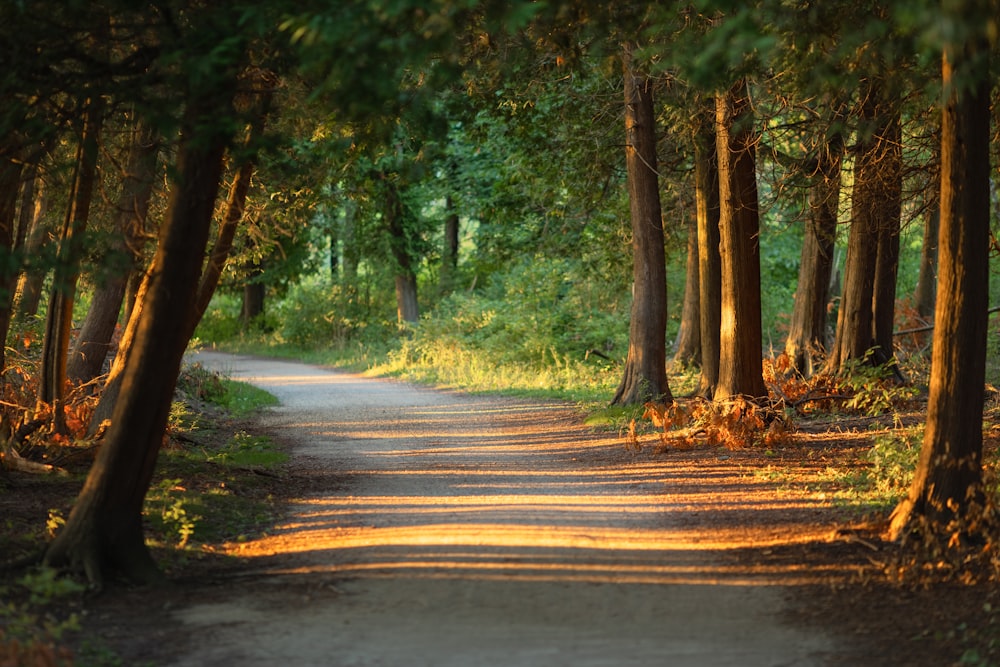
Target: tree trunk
{"type": "Point", "coordinates": [254, 292]}
{"type": "Point", "coordinates": [706, 168]}
{"type": "Point", "coordinates": [94, 340]}
{"type": "Point", "coordinates": [104, 531]}
{"type": "Point", "coordinates": [449, 256]}
{"type": "Point", "coordinates": [740, 349]}
{"type": "Point", "coordinates": [925, 291]}
{"type": "Point", "coordinates": [889, 198]}
{"type": "Point", "coordinates": [407, 308]}
{"type": "Point", "coordinates": [29, 284]}
{"type": "Point", "coordinates": [59, 319]}
{"type": "Point", "coordinates": [689, 335]}
{"type": "Point", "coordinates": [948, 479]}
{"type": "Point", "coordinates": [855, 320]}
{"type": "Point", "coordinates": [645, 376]}
{"type": "Point", "coordinates": [263, 83]}
{"type": "Point", "coordinates": [807, 329]}
{"type": "Point", "coordinates": [10, 181]}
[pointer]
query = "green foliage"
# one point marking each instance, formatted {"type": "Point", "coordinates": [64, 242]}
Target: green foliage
{"type": "Point", "coordinates": [32, 625]}
{"type": "Point", "coordinates": [166, 514]}
{"type": "Point", "coordinates": [875, 389]}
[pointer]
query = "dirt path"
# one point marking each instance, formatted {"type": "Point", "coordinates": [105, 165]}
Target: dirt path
{"type": "Point", "coordinates": [457, 530]}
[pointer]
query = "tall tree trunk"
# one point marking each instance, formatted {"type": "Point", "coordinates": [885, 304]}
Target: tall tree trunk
{"type": "Point", "coordinates": [740, 349]}
{"type": "Point", "coordinates": [889, 197]}
{"type": "Point", "coordinates": [29, 284]}
{"type": "Point", "coordinates": [645, 375]}
{"type": "Point", "coordinates": [807, 329]}
{"type": "Point", "coordinates": [94, 340]}
{"type": "Point", "coordinates": [407, 308]}
{"type": "Point", "coordinates": [449, 255]}
{"type": "Point", "coordinates": [689, 334]}
{"type": "Point", "coordinates": [59, 319]}
{"type": "Point", "coordinates": [262, 84]}
{"type": "Point", "coordinates": [10, 182]}
{"type": "Point", "coordinates": [104, 531]}
{"type": "Point", "coordinates": [706, 169]}
{"type": "Point", "coordinates": [254, 292]}
{"type": "Point", "coordinates": [925, 291]}
{"type": "Point", "coordinates": [855, 319]}
{"type": "Point", "coordinates": [948, 479]}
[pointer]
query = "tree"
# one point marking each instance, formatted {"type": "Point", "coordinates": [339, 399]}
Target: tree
{"type": "Point", "coordinates": [807, 328]}
{"type": "Point", "coordinates": [947, 485]}
{"type": "Point", "coordinates": [93, 343]}
{"type": "Point", "coordinates": [740, 369]}
{"type": "Point", "coordinates": [709, 262]}
{"type": "Point", "coordinates": [104, 532]}
{"type": "Point", "coordinates": [645, 375]}
{"type": "Point", "coordinates": [689, 334]}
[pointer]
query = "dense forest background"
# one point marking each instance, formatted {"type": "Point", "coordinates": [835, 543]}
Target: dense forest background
{"type": "Point", "coordinates": [555, 197]}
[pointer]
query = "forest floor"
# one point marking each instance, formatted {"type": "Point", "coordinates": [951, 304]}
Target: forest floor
{"type": "Point", "coordinates": [424, 527]}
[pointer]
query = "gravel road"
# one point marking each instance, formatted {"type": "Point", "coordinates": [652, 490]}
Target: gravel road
{"type": "Point", "coordinates": [463, 530]}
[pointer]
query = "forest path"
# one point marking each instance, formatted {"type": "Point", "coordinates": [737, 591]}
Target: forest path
{"type": "Point", "coordinates": [463, 530]}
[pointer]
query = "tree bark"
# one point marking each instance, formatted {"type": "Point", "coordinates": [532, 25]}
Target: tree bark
{"type": "Point", "coordinates": [926, 290]}
{"type": "Point", "coordinates": [706, 168]}
{"type": "Point", "coordinates": [407, 307]}
{"type": "Point", "coordinates": [10, 182]}
{"type": "Point", "coordinates": [93, 343]}
{"type": "Point", "coordinates": [875, 179]}
{"type": "Point", "coordinates": [104, 533]}
{"type": "Point", "coordinates": [889, 197]}
{"type": "Point", "coordinates": [807, 329]}
{"type": "Point", "coordinates": [59, 319]}
{"type": "Point", "coordinates": [948, 480]}
{"type": "Point", "coordinates": [29, 284]}
{"type": "Point", "coordinates": [740, 349]}
{"type": "Point", "coordinates": [645, 375]}
{"type": "Point", "coordinates": [449, 257]}
{"type": "Point", "coordinates": [688, 342]}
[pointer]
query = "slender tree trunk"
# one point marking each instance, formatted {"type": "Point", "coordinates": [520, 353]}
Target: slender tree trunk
{"type": "Point", "coordinates": [807, 330]}
{"type": "Point", "coordinates": [855, 320]}
{"type": "Point", "coordinates": [59, 319]}
{"type": "Point", "coordinates": [104, 532]}
{"type": "Point", "coordinates": [925, 291]}
{"type": "Point", "coordinates": [706, 169]}
{"type": "Point", "coordinates": [948, 479]}
{"type": "Point", "coordinates": [449, 256]}
{"type": "Point", "coordinates": [645, 376]}
{"type": "Point", "coordinates": [254, 293]}
{"type": "Point", "coordinates": [407, 308]}
{"type": "Point", "coordinates": [93, 343]}
{"type": "Point", "coordinates": [29, 284]}
{"type": "Point", "coordinates": [689, 335]}
{"type": "Point", "coordinates": [740, 349]}
{"type": "Point", "coordinates": [889, 197]}
{"type": "Point", "coordinates": [10, 181]}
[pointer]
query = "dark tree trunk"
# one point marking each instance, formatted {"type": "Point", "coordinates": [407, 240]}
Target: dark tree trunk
{"type": "Point", "coordinates": [254, 293]}
{"type": "Point", "coordinates": [689, 334]}
{"type": "Point", "coordinates": [948, 479]}
{"type": "Point", "coordinates": [925, 291]}
{"type": "Point", "coordinates": [29, 284]}
{"type": "Point", "coordinates": [10, 182]}
{"type": "Point", "coordinates": [645, 376]}
{"type": "Point", "coordinates": [93, 343]}
{"type": "Point", "coordinates": [740, 350]}
{"type": "Point", "coordinates": [855, 319]}
{"type": "Point", "coordinates": [401, 242]}
{"type": "Point", "coordinates": [263, 83]}
{"type": "Point", "coordinates": [807, 329]}
{"type": "Point", "coordinates": [889, 197]}
{"type": "Point", "coordinates": [104, 532]}
{"type": "Point", "coordinates": [449, 256]}
{"type": "Point", "coordinates": [59, 319]}
{"type": "Point", "coordinates": [706, 169]}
